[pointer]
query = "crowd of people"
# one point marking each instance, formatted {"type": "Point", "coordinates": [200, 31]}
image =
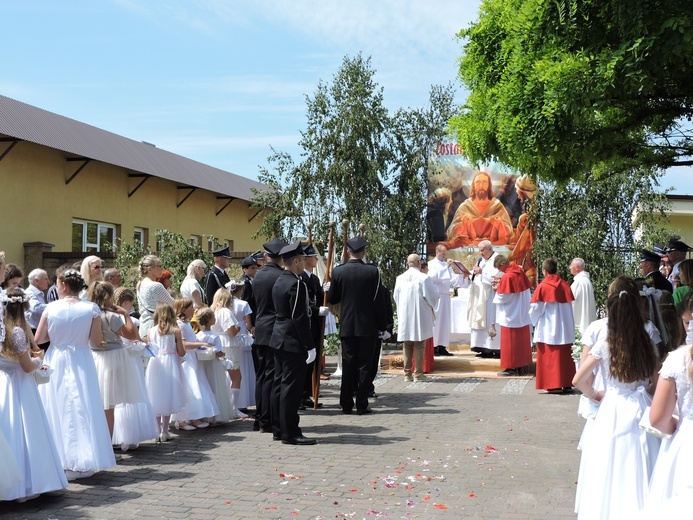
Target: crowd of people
{"type": "Point", "coordinates": [84, 375]}
{"type": "Point", "coordinates": [635, 372]}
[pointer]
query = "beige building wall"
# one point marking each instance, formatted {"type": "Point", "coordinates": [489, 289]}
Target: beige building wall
{"type": "Point", "coordinates": [39, 206]}
{"type": "Point", "coordinates": [680, 217]}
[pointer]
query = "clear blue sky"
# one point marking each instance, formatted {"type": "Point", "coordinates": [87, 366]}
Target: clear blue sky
{"type": "Point", "coordinates": [220, 81]}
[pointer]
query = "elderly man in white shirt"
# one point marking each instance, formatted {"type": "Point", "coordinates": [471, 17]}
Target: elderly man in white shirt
{"type": "Point", "coordinates": [415, 296]}
{"type": "Point", "coordinates": [38, 285]}
{"type": "Point", "coordinates": [443, 276]}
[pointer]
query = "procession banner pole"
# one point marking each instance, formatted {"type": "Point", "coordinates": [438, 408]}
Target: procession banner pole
{"type": "Point", "coordinates": [318, 357]}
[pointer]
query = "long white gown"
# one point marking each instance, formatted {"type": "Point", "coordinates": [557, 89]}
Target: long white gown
{"type": "Point", "coordinates": [673, 473]}
{"type": "Point", "coordinates": [218, 378]}
{"type": "Point", "coordinates": [164, 374]}
{"type": "Point", "coordinates": [618, 456]}
{"type": "Point", "coordinates": [199, 399]}
{"type": "Point", "coordinates": [246, 397]}
{"type": "Point", "coordinates": [24, 426]}
{"type": "Point", "coordinates": [72, 398]}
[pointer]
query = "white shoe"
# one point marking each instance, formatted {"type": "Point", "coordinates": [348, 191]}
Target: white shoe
{"type": "Point", "coordinates": [164, 437]}
{"type": "Point", "coordinates": [74, 475]}
{"type": "Point", "coordinates": [240, 414]}
{"type": "Point", "coordinates": [421, 378]}
{"type": "Point", "coordinates": [188, 427]}
{"type": "Point", "coordinates": [126, 447]}
{"type": "Point", "coordinates": [201, 424]}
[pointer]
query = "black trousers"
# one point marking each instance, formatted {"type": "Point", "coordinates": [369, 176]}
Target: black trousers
{"type": "Point", "coordinates": [357, 359]}
{"type": "Point", "coordinates": [375, 361]}
{"type": "Point", "coordinates": [264, 379]}
{"type": "Point", "coordinates": [287, 391]}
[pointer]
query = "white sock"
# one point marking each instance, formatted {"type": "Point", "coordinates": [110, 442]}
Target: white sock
{"type": "Point", "coordinates": [234, 393]}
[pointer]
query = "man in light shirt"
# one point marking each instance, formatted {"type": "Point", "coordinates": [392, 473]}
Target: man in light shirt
{"type": "Point", "coordinates": [38, 285]}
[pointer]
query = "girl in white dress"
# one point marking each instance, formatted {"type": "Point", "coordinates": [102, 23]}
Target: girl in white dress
{"type": "Point", "coordinates": [216, 369]}
{"type": "Point", "coordinates": [23, 421]}
{"type": "Point", "coordinates": [242, 311]}
{"type": "Point", "coordinates": [72, 398]}
{"type": "Point", "coordinates": [200, 401]}
{"type": "Point", "coordinates": [618, 455]}
{"type": "Point", "coordinates": [134, 422]}
{"type": "Point", "coordinates": [164, 372]}
{"type": "Point", "coordinates": [117, 381]}
{"type": "Point", "coordinates": [673, 473]}
{"type": "Point", "coordinates": [227, 327]}
{"type": "Point", "coordinates": [150, 293]}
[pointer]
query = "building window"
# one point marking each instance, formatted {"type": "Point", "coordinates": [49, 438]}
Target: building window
{"type": "Point", "coordinates": [92, 237]}
{"type": "Point", "coordinates": [139, 237]}
{"type": "Point", "coordinates": [195, 240]}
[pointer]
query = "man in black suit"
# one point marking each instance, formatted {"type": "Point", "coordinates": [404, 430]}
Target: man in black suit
{"type": "Point", "coordinates": [217, 277]}
{"type": "Point", "coordinates": [293, 347]}
{"type": "Point", "coordinates": [264, 323]}
{"type": "Point", "coordinates": [250, 267]}
{"type": "Point", "coordinates": [356, 286]}
{"type": "Point", "coordinates": [649, 266]}
{"type": "Point", "coordinates": [317, 322]}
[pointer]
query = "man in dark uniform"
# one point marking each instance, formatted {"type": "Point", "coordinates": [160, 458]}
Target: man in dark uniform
{"type": "Point", "coordinates": [389, 325]}
{"type": "Point", "coordinates": [649, 266]}
{"type": "Point", "coordinates": [293, 347]}
{"type": "Point", "coordinates": [217, 277]}
{"type": "Point", "coordinates": [317, 322]}
{"type": "Point", "coordinates": [356, 286]}
{"type": "Point", "coordinates": [264, 323]}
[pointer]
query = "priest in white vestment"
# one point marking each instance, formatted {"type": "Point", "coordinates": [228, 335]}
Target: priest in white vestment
{"type": "Point", "coordinates": [444, 277]}
{"type": "Point", "coordinates": [481, 311]}
{"type": "Point", "coordinates": [551, 312]}
{"type": "Point", "coordinates": [512, 314]}
{"type": "Point", "coordinates": [416, 297]}
{"type": "Point", "coordinates": [584, 306]}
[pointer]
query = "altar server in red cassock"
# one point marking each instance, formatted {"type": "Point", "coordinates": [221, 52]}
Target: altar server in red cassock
{"type": "Point", "coordinates": [512, 314]}
{"type": "Point", "coordinates": [551, 312]}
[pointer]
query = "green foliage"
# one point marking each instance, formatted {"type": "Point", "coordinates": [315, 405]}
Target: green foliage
{"type": "Point", "coordinates": [593, 219]}
{"type": "Point", "coordinates": [561, 87]}
{"type": "Point", "coordinates": [360, 165]}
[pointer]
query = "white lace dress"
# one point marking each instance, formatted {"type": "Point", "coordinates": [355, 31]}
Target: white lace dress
{"type": "Point", "coordinates": [72, 398]}
{"type": "Point", "coordinates": [231, 344]}
{"type": "Point", "coordinates": [218, 377]}
{"type": "Point", "coordinates": [617, 456]}
{"type": "Point", "coordinates": [199, 399]}
{"type": "Point", "coordinates": [24, 427]}
{"type": "Point", "coordinates": [164, 375]}
{"type": "Point", "coordinates": [673, 473]}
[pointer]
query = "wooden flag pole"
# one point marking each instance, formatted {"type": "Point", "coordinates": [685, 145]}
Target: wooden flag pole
{"type": "Point", "coordinates": [320, 346]}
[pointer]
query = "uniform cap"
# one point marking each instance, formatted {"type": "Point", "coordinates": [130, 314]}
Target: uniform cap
{"type": "Point", "coordinates": [310, 251]}
{"type": "Point", "coordinates": [248, 261]}
{"type": "Point", "coordinates": [677, 245]}
{"type": "Point", "coordinates": [292, 250]}
{"type": "Point", "coordinates": [224, 251]}
{"type": "Point", "coordinates": [649, 256]}
{"type": "Point", "coordinates": [274, 247]}
{"type": "Point", "coordinates": [356, 244]}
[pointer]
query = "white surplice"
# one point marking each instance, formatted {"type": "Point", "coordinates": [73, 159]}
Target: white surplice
{"type": "Point", "coordinates": [415, 296]}
{"type": "Point", "coordinates": [443, 278]}
{"type": "Point", "coordinates": [481, 311]}
{"type": "Point", "coordinates": [584, 306]}
{"type": "Point", "coordinates": [553, 323]}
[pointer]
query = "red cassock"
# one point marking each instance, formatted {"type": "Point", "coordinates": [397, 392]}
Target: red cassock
{"type": "Point", "coordinates": [512, 313]}
{"type": "Point", "coordinates": [554, 333]}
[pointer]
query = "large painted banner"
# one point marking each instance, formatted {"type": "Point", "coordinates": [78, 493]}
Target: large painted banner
{"type": "Point", "coordinates": [470, 203]}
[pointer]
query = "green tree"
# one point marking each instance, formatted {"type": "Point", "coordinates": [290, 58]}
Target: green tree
{"type": "Point", "coordinates": [358, 164]}
{"type": "Point", "coordinates": [560, 88]}
{"type": "Point", "coordinates": [593, 219]}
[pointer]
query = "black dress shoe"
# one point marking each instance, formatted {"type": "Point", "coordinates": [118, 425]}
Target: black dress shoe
{"type": "Point", "coordinates": [276, 437]}
{"type": "Point", "coordinates": [444, 352]}
{"type": "Point", "coordinates": [363, 411]}
{"type": "Point", "coordinates": [308, 403]}
{"type": "Point", "coordinates": [372, 395]}
{"type": "Point", "coordinates": [264, 430]}
{"type": "Point", "coordinates": [256, 426]}
{"type": "Point", "coordinates": [300, 441]}
{"type": "Point", "coordinates": [346, 411]}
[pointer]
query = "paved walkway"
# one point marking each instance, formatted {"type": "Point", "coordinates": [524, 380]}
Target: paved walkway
{"type": "Point", "coordinates": [445, 448]}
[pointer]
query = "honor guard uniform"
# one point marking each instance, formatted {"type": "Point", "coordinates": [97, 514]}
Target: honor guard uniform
{"type": "Point", "coordinates": [250, 267]}
{"type": "Point", "coordinates": [292, 343]}
{"type": "Point", "coordinates": [264, 322]}
{"type": "Point", "coordinates": [356, 286]}
{"type": "Point", "coordinates": [649, 266]}
{"type": "Point", "coordinates": [217, 277]}
{"type": "Point", "coordinates": [317, 323]}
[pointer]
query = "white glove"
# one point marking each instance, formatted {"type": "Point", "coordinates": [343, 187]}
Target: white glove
{"type": "Point", "coordinates": [324, 311]}
{"type": "Point", "coordinates": [326, 287]}
{"type": "Point", "coordinates": [311, 356]}
{"type": "Point", "coordinates": [383, 334]}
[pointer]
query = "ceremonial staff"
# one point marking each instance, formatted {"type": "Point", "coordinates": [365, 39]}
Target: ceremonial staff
{"type": "Point", "coordinates": [345, 230]}
{"type": "Point", "coordinates": [318, 358]}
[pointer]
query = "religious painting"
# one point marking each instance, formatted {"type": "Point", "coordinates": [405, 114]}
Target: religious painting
{"type": "Point", "coordinates": [469, 203]}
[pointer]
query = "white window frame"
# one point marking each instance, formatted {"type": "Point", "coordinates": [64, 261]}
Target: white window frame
{"type": "Point", "coordinates": [100, 227]}
{"type": "Point", "coordinates": [139, 231]}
